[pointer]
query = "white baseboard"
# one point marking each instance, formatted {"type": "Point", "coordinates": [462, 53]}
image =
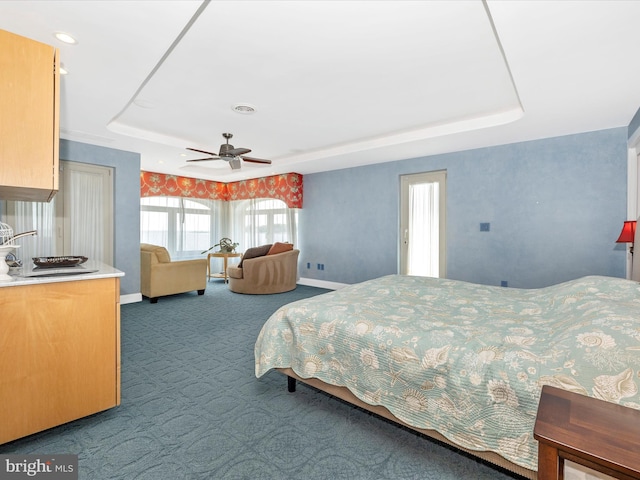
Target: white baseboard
{"type": "Point", "coordinates": [130, 298]}
{"type": "Point", "coordinates": [310, 282]}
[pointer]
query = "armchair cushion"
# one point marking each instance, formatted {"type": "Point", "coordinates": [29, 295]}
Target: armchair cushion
{"type": "Point", "coordinates": [159, 276]}
{"type": "Point", "coordinates": [279, 247]}
{"type": "Point", "coordinates": [254, 252]}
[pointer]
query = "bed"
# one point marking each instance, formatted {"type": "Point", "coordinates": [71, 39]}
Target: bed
{"type": "Point", "coordinates": [461, 362]}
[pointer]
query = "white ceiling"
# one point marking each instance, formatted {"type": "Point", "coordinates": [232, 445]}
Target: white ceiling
{"type": "Point", "coordinates": [335, 84]}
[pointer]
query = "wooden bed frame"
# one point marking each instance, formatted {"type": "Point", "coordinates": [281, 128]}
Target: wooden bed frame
{"type": "Point", "coordinates": [345, 394]}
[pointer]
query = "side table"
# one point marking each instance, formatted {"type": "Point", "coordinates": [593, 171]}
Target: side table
{"type": "Point", "coordinates": [600, 435]}
{"type": "Point", "coordinates": [225, 256]}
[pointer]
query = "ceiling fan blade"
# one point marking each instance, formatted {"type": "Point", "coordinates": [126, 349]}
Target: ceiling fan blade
{"type": "Point", "coordinates": [238, 151]}
{"type": "Point", "coordinates": [256, 160]}
{"type": "Point", "coordinates": [202, 151]}
{"type": "Point", "coordinates": [204, 159]}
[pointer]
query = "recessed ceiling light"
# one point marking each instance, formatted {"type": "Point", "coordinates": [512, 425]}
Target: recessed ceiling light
{"type": "Point", "coordinates": [66, 38]}
{"type": "Point", "coordinates": [244, 108]}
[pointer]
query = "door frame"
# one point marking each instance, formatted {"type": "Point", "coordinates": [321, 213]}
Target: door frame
{"type": "Point", "coordinates": [437, 176]}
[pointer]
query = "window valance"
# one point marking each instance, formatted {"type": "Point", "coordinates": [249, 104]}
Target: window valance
{"type": "Point", "coordinates": [286, 187]}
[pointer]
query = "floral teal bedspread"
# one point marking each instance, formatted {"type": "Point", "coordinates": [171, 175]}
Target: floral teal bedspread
{"type": "Point", "coordinates": [466, 360]}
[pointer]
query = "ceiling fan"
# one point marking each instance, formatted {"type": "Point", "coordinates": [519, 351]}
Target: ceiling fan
{"type": "Point", "coordinates": [229, 154]}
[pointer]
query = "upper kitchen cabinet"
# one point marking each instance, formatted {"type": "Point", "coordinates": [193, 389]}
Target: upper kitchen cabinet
{"type": "Point", "coordinates": [29, 119]}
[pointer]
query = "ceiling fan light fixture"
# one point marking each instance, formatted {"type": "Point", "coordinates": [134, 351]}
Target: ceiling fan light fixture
{"type": "Point", "coordinates": [244, 108]}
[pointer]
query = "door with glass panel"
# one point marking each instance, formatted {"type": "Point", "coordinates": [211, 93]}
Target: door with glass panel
{"type": "Point", "coordinates": [84, 211]}
{"type": "Point", "coordinates": [423, 224]}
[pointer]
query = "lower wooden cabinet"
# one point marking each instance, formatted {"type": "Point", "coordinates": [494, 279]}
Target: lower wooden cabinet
{"type": "Point", "coordinates": [59, 353]}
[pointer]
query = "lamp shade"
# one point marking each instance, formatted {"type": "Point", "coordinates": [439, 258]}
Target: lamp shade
{"type": "Point", "coordinates": [628, 232]}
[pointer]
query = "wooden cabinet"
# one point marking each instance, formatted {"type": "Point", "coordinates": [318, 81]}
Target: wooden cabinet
{"type": "Point", "coordinates": [29, 119]}
{"type": "Point", "coordinates": [59, 353]}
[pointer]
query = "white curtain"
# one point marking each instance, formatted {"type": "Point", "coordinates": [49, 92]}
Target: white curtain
{"type": "Point", "coordinates": [424, 245]}
{"type": "Point", "coordinates": [249, 226]}
{"type": "Point", "coordinates": [39, 216]}
{"type": "Point", "coordinates": [73, 223]}
{"type": "Point", "coordinates": [84, 201]}
{"type": "Point", "coordinates": [292, 226]}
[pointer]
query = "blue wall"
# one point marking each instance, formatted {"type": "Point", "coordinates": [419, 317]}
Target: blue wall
{"type": "Point", "coordinates": [126, 204]}
{"type": "Point", "coordinates": [555, 207]}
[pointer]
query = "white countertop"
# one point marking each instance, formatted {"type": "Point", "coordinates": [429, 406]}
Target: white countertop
{"type": "Point", "coordinates": [90, 270]}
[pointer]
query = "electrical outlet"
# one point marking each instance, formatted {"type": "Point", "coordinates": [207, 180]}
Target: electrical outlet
{"type": "Point", "coordinates": [485, 227]}
{"type": "Point", "coordinates": [504, 283]}
{"type": "Point", "coordinates": [308, 264]}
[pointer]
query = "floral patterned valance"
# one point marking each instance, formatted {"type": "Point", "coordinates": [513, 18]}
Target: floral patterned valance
{"type": "Point", "coordinates": [286, 187]}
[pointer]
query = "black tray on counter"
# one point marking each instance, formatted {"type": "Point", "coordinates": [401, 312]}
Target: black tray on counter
{"type": "Point", "coordinates": [57, 262]}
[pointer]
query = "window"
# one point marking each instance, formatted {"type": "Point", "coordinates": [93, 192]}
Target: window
{"type": "Point", "coordinates": [185, 226]}
{"type": "Point", "coordinates": [261, 221]}
{"type": "Point", "coordinates": [188, 226]}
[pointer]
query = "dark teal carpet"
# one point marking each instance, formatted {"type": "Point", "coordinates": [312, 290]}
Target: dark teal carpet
{"type": "Point", "coordinates": [193, 409]}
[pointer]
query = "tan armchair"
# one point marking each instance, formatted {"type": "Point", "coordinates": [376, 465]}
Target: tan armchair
{"type": "Point", "coordinates": [159, 276]}
{"type": "Point", "coordinates": [266, 274]}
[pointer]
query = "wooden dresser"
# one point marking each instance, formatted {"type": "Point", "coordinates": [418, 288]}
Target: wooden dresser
{"type": "Point", "coordinates": [600, 435]}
